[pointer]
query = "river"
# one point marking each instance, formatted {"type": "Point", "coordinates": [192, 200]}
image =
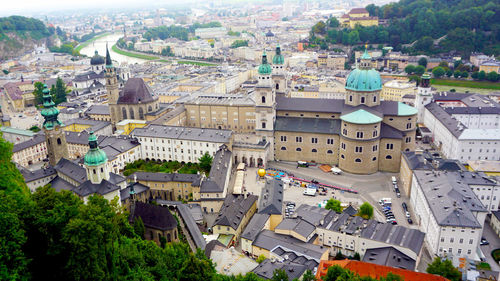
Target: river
{"type": "Point", "coordinates": [100, 46]}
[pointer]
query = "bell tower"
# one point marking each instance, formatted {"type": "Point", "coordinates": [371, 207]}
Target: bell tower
{"type": "Point", "coordinates": [55, 137]}
{"type": "Point", "coordinates": [95, 162]}
{"type": "Point", "coordinates": [279, 72]}
{"type": "Point", "coordinates": [112, 89]}
{"type": "Point", "coordinates": [265, 104]}
{"type": "Point", "coordinates": [424, 96]}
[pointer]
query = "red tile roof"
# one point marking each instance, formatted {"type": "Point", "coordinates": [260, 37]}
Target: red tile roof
{"type": "Point", "coordinates": [12, 89]}
{"type": "Point", "coordinates": [375, 270]}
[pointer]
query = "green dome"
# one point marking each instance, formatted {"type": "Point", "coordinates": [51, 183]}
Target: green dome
{"type": "Point", "coordinates": [278, 58]}
{"type": "Point", "coordinates": [364, 80]}
{"type": "Point", "coordinates": [264, 68]}
{"type": "Point", "coordinates": [95, 156]}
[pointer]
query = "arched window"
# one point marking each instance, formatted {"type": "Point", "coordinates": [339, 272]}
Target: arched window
{"type": "Point", "coordinates": [124, 112]}
{"type": "Point", "coordinates": [175, 234]}
{"type": "Point", "coordinates": [388, 157]}
{"type": "Point", "coordinates": [342, 156]}
{"type": "Point", "coordinates": [374, 98]}
{"type": "Point", "coordinates": [357, 160]}
{"type": "Point", "coordinates": [263, 99]}
{"type": "Point", "coordinates": [150, 108]}
{"type": "Point", "coordinates": [169, 238]}
{"type": "Point", "coordinates": [277, 86]}
{"type": "Point", "coordinates": [283, 148]}
{"type": "Point", "coordinates": [298, 149]}
{"type": "Point", "coordinates": [374, 159]}
{"type": "Point", "coordinates": [132, 115]}
{"type": "Point", "coordinates": [314, 150]}
{"type": "Point", "coordinates": [141, 113]}
{"type": "Point", "coordinates": [362, 99]}
{"type": "Point", "coordinates": [350, 98]}
{"type": "Point", "coordinates": [59, 141]}
{"type": "Point", "coordinates": [329, 152]}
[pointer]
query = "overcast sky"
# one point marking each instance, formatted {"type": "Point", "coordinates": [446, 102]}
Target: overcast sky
{"type": "Point", "coordinates": [29, 7]}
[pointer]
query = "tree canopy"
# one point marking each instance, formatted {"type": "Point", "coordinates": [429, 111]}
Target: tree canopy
{"type": "Point", "coordinates": [334, 205]}
{"type": "Point", "coordinates": [444, 268]}
{"type": "Point", "coordinates": [366, 210]}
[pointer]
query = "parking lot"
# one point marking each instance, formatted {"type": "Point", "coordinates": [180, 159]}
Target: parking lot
{"type": "Point", "coordinates": [371, 188]}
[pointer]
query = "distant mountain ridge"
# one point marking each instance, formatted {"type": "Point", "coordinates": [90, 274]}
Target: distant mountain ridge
{"type": "Point", "coordinates": [19, 34]}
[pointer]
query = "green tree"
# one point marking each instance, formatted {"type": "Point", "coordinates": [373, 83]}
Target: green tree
{"type": "Point", "coordinates": [438, 72]}
{"type": "Point", "coordinates": [38, 92]}
{"type": "Point", "coordinates": [356, 256]}
{"type": "Point", "coordinates": [481, 75]}
{"type": "Point", "coordinates": [333, 205]}
{"type": "Point", "coordinates": [333, 22]}
{"type": "Point", "coordinates": [366, 210]}
{"type": "Point", "coordinates": [139, 228]}
{"type": "Point", "coordinates": [419, 70]}
{"type": "Point", "coordinates": [339, 256]}
{"type": "Point", "coordinates": [260, 259]}
{"type": "Point", "coordinates": [239, 43]}
{"type": "Point", "coordinates": [206, 162]}
{"type": "Point", "coordinates": [308, 276]}
{"type": "Point", "coordinates": [197, 267]}
{"type": "Point", "coordinates": [59, 94]}
{"type": "Point", "coordinates": [492, 76]}
{"type": "Point", "coordinates": [422, 61]}
{"type": "Point", "coordinates": [464, 74]}
{"type": "Point", "coordinates": [279, 275]}
{"type": "Point", "coordinates": [444, 268]}
{"type": "Point", "coordinates": [457, 73]}
{"type": "Point", "coordinates": [449, 73]}
{"type": "Point", "coordinates": [409, 69]}
{"type": "Point", "coordinates": [475, 75]}
{"type": "Point", "coordinates": [319, 28]}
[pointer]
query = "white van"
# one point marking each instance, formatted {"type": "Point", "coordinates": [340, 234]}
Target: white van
{"type": "Point", "coordinates": [336, 171]}
{"type": "Point", "coordinates": [394, 180]}
{"type": "Point", "coordinates": [310, 192]}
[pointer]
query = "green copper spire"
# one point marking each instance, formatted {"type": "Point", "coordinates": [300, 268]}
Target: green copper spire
{"type": "Point", "coordinates": [366, 56]}
{"type": "Point", "coordinates": [49, 111]}
{"type": "Point", "coordinates": [264, 68]}
{"type": "Point", "coordinates": [278, 58]}
{"type": "Point", "coordinates": [95, 156]}
{"type": "Point", "coordinates": [109, 63]}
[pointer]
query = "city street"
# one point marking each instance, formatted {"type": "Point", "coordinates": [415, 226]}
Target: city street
{"type": "Point", "coordinates": [494, 240]}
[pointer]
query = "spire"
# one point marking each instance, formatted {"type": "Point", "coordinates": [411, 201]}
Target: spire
{"type": "Point", "coordinates": [49, 111]}
{"type": "Point", "coordinates": [278, 59]}
{"type": "Point", "coordinates": [264, 67]}
{"type": "Point", "coordinates": [95, 156]}
{"type": "Point", "coordinates": [109, 63]}
{"type": "Point", "coordinates": [278, 49]}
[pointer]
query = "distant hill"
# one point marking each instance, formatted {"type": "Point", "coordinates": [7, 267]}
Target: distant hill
{"type": "Point", "coordinates": [19, 34]}
{"type": "Point", "coordinates": [468, 26]}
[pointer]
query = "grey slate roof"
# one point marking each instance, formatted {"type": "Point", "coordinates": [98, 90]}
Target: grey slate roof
{"type": "Point", "coordinates": [191, 226]}
{"type": "Point", "coordinates": [184, 133]}
{"type": "Point", "coordinates": [98, 109]}
{"type": "Point", "coordinates": [37, 139]}
{"type": "Point", "coordinates": [136, 91]}
{"type": "Point", "coordinates": [270, 240]}
{"type": "Point", "coordinates": [71, 170]}
{"type": "Point", "coordinates": [153, 216]}
{"type": "Point", "coordinates": [424, 162]}
{"type": "Point", "coordinates": [389, 256]}
{"type": "Point", "coordinates": [310, 125]}
{"type": "Point", "coordinates": [166, 177]}
{"type": "Point", "coordinates": [138, 189]}
{"type": "Point", "coordinates": [312, 214]}
{"type": "Point", "coordinates": [389, 132]}
{"type": "Point", "coordinates": [30, 176]}
{"type": "Point", "coordinates": [94, 124]}
{"type": "Point", "coordinates": [450, 198]}
{"type": "Point", "coordinates": [91, 75]}
{"type": "Point", "coordinates": [89, 188]}
{"type": "Point", "coordinates": [59, 184]}
{"type": "Point", "coordinates": [266, 269]}
{"type": "Point", "coordinates": [446, 119]}
{"type": "Point", "coordinates": [234, 208]}
{"type": "Point", "coordinates": [297, 225]}
{"type": "Point", "coordinates": [271, 198]}
{"type": "Point", "coordinates": [255, 225]}
{"type": "Point", "coordinates": [218, 173]}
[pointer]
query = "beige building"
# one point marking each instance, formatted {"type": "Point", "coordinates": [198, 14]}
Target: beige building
{"type": "Point", "coordinates": [20, 94]}
{"type": "Point", "coordinates": [360, 134]}
{"type": "Point", "coordinates": [170, 187]}
{"type": "Point", "coordinates": [495, 222]}
{"type": "Point", "coordinates": [234, 215]}
{"type": "Point", "coordinates": [395, 90]}
{"type": "Point", "coordinates": [358, 16]}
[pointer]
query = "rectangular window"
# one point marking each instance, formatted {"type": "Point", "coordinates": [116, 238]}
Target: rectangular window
{"type": "Point", "coordinates": [408, 126]}
{"type": "Point", "coordinates": [298, 139]}
{"type": "Point", "coordinates": [314, 140]}
{"type": "Point", "coordinates": [359, 135]}
{"type": "Point", "coordinates": [389, 146]}
{"type": "Point", "coordinates": [283, 138]}
{"type": "Point", "coordinates": [408, 139]}
{"type": "Point", "coordinates": [343, 146]}
{"type": "Point", "coordinates": [329, 141]}
{"type": "Point", "coordinates": [375, 147]}
{"type": "Point", "coordinates": [359, 149]}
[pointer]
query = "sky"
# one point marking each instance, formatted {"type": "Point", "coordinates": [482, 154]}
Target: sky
{"type": "Point", "coordinates": [30, 7]}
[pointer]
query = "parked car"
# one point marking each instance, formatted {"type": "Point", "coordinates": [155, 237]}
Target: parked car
{"type": "Point", "coordinates": [410, 221]}
{"type": "Point", "coordinates": [484, 241]}
{"type": "Point", "coordinates": [336, 171]}
{"type": "Point", "coordinates": [405, 207]}
{"type": "Point", "coordinates": [394, 180]}
{"type": "Point", "coordinates": [407, 214]}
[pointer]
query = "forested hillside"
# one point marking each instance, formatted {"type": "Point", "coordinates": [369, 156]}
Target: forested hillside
{"type": "Point", "coordinates": [462, 25]}
{"type": "Point", "coordinates": [19, 34]}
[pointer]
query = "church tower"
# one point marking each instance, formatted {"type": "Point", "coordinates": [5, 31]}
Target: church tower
{"type": "Point", "coordinates": [57, 146]}
{"type": "Point", "coordinates": [112, 89]}
{"type": "Point", "coordinates": [265, 104]}
{"type": "Point", "coordinates": [279, 72]}
{"type": "Point", "coordinates": [424, 96]}
{"type": "Point", "coordinates": [95, 162]}
{"type": "Point", "coordinates": [363, 85]}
